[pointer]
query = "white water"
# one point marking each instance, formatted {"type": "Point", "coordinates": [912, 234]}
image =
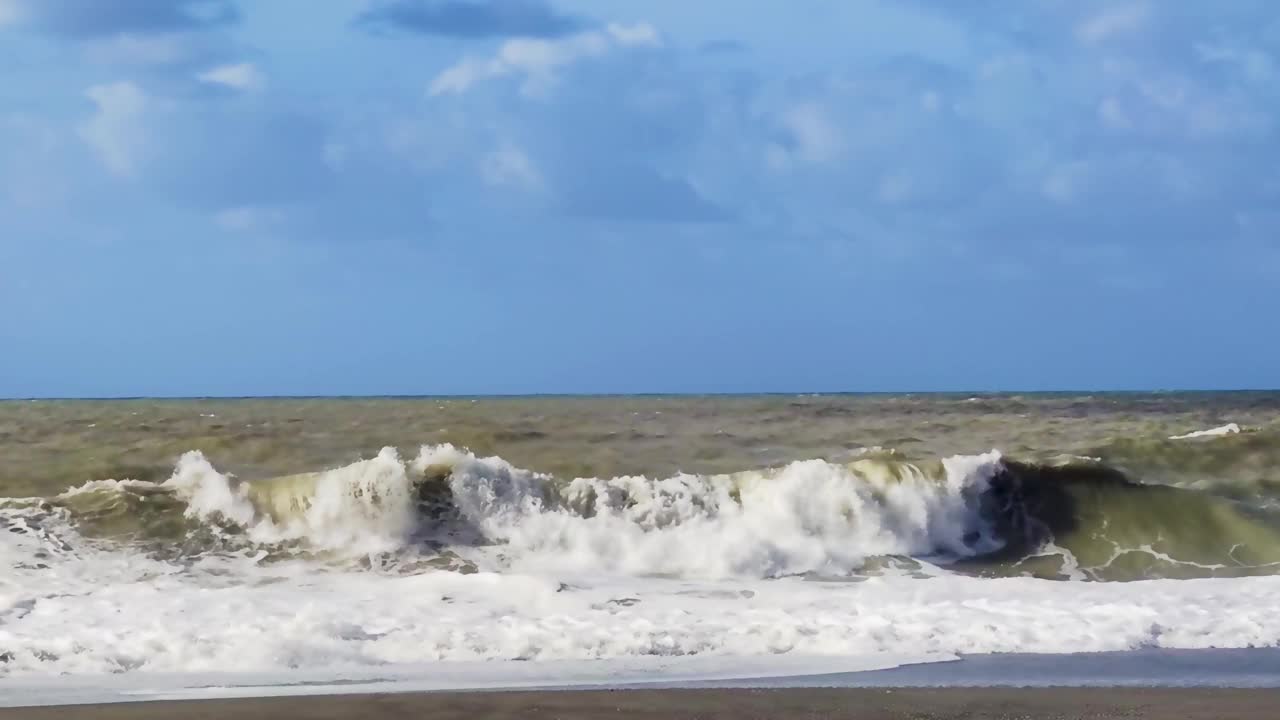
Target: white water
{"type": "Point", "coordinates": [1228, 429]}
{"type": "Point", "coordinates": [810, 516]}
{"type": "Point", "coordinates": [424, 677]}
{"type": "Point", "coordinates": [590, 569]}
{"type": "Point", "coordinates": [366, 507]}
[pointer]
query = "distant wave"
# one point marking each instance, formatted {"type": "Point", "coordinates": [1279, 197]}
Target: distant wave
{"type": "Point", "coordinates": [1228, 429]}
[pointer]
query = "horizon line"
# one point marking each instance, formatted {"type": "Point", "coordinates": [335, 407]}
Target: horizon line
{"type": "Point", "coordinates": [659, 394]}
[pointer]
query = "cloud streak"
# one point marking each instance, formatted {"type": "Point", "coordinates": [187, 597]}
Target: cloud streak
{"type": "Point", "coordinates": [537, 61]}
{"type": "Point", "coordinates": [114, 132]}
{"type": "Point", "coordinates": [509, 166]}
{"type": "Point", "coordinates": [244, 77]}
{"type": "Point", "coordinates": [1112, 22]}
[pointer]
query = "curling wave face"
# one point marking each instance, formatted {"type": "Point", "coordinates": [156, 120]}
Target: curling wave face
{"type": "Point", "coordinates": [984, 515]}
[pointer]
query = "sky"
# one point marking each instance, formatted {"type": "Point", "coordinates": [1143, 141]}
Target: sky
{"type": "Point", "coordinates": [287, 197]}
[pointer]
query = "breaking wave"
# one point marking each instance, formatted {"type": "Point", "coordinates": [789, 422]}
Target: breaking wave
{"type": "Point", "coordinates": [447, 508]}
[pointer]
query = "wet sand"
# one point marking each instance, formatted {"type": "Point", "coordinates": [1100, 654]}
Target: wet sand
{"type": "Point", "coordinates": [734, 704]}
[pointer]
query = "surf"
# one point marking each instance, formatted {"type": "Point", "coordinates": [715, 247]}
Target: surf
{"type": "Point", "coordinates": [983, 514]}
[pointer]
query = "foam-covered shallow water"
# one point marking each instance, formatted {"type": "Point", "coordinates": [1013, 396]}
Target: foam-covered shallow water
{"type": "Point", "coordinates": [1246, 668]}
{"type": "Point", "coordinates": [400, 565]}
{"type": "Point", "coordinates": [649, 671]}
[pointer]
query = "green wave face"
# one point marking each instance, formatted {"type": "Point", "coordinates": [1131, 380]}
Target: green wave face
{"type": "Point", "coordinates": [1090, 521]}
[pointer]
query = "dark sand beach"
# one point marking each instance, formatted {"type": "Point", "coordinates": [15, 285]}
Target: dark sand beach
{"type": "Point", "coordinates": [738, 704]}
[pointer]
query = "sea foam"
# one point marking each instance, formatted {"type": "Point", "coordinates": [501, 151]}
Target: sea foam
{"type": "Point", "coordinates": [757, 564]}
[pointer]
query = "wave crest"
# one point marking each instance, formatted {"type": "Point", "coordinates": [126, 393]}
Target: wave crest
{"type": "Point", "coordinates": [810, 516]}
{"type": "Point", "coordinates": [365, 507]}
{"type": "Point", "coordinates": [982, 514]}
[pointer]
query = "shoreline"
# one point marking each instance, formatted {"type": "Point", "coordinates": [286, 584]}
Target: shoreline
{"type": "Point", "coordinates": [1151, 669]}
{"type": "Point", "coordinates": [707, 704]}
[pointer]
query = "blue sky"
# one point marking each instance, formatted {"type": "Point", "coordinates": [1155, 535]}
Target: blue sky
{"type": "Point", "coordinates": [202, 197]}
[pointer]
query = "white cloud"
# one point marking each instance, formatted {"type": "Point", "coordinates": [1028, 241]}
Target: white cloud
{"type": "Point", "coordinates": [1178, 105]}
{"type": "Point", "coordinates": [249, 218]}
{"type": "Point", "coordinates": [239, 76]}
{"type": "Point", "coordinates": [1257, 65]}
{"type": "Point", "coordinates": [639, 34]}
{"type": "Point", "coordinates": [10, 12]}
{"type": "Point", "coordinates": [1112, 22]}
{"type": "Point", "coordinates": [509, 166]}
{"type": "Point", "coordinates": [814, 138]}
{"type": "Point", "coordinates": [115, 130]}
{"type": "Point", "coordinates": [458, 78]}
{"type": "Point", "coordinates": [1113, 115]}
{"type": "Point", "coordinates": [1064, 183]}
{"type": "Point", "coordinates": [538, 59]}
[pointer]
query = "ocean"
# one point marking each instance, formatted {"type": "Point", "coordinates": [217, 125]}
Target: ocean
{"type": "Point", "coordinates": [403, 537]}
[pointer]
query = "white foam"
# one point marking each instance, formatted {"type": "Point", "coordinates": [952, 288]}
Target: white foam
{"type": "Point", "coordinates": [105, 485]}
{"type": "Point", "coordinates": [1228, 429]}
{"type": "Point", "coordinates": [99, 611]}
{"type": "Point", "coordinates": [647, 670]}
{"type": "Point", "coordinates": [589, 569]}
{"type": "Point", "coordinates": [210, 494]}
{"type": "Point", "coordinates": [365, 507]}
{"type": "Point", "coordinates": [806, 517]}
{"type": "Point", "coordinates": [810, 516]}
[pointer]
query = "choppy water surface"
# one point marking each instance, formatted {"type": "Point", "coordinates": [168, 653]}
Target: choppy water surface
{"type": "Point", "coordinates": [189, 534]}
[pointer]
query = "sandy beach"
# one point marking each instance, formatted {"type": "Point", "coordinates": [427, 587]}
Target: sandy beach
{"type": "Point", "coordinates": [738, 704]}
